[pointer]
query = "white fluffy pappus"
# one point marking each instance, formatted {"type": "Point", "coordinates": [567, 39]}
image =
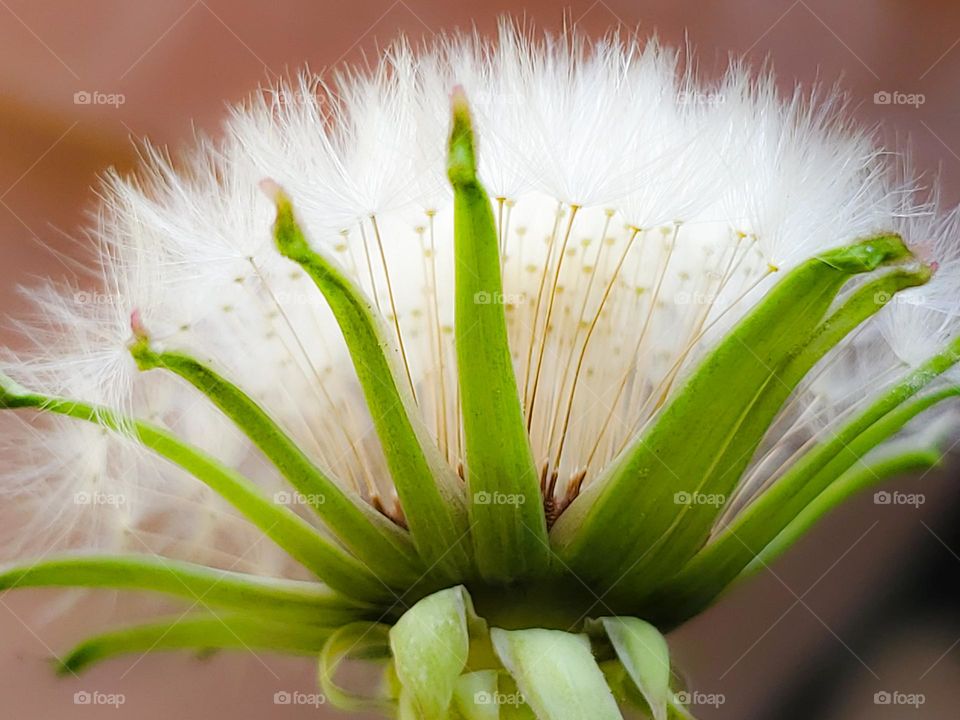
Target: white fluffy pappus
{"type": "Point", "coordinates": [641, 213]}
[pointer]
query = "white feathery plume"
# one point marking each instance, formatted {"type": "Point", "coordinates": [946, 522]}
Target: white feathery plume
{"type": "Point", "coordinates": [921, 320]}
{"type": "Point", "coordinates": [640, 215]}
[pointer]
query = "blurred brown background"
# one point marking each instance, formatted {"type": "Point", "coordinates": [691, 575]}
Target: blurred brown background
{"type": "Point", "coordinates": [865, 605]}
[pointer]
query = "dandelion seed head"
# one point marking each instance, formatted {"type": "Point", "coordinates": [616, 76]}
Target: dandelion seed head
{"type": "Point", "coordinates": [641, 212]}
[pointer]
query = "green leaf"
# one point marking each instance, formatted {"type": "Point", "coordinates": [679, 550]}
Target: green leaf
{"type": "Point", "coordinates": [295, 535]}
{"type": "Point", "coordinates": [610, 529]}
{"type": "Point", "coordinates": [357, 641]}
{"type": "Point", "coordinates": [429, 491]}
{"type": "Point", "coordinates": [646, 657]}
{"type": "Point", "coordinates": [381, 545]}
{"type": "Point", "coordinates": [275, 598]}
{"type": "Point", "coordinates": [430, 644]}
{"type": "Point", "coordinates": [717, 564]}
{"type": "Point", "coordinates": [476, 695]}
{"type": "Point", "coordinates": [236, 632]}
{"type": "Point", "coordinates": [506, 510]}
{"type": "Point", "coordinates": [557, 674]}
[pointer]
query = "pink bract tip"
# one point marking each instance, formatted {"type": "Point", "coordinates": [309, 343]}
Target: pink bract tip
{"type": "Point", "coordinates": [136, 325]}
{"type": "Point", "coordinates": [271, 188]}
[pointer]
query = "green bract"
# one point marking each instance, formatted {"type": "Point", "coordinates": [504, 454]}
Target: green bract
{"type": "Point", "coordinates": [474, 610]}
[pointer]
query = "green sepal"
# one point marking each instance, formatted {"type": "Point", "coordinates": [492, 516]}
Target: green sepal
{"type": "Point", "coordinates": [557, 674]}
{"type": "Point", "coordinates": [358, 641]}
{"type": "Point", "coordinates": [645, 656]}
{"type": "Point", "coordinates": [624, 690]}
{"type": "Point", "coordinates": [506, 510]}
{"type": "Point", "coordinates": [431, 645]}
{"type": "Point", "coordinates": [610, 528]}
{"type": "Point", "coordinates": [430, 493]}
{"type": "Point", "coordinates": [292, 601]}
{"type": "Point", "coordinates": [514, 706]}
{"type": "Point", "coordinates": [379, 543]}
{"type": "Point", "coordinates": [476, 694]}
{"type": "Point", "coordinates": [201, 633]}
{"type": "Point", "coordinates": [628, 695]}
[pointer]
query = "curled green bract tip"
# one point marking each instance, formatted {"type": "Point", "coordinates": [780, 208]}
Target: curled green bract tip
{"type": "Point", "coordinates": [462, 157]}
{"type": "Point", "coordinates": [13, 394]}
